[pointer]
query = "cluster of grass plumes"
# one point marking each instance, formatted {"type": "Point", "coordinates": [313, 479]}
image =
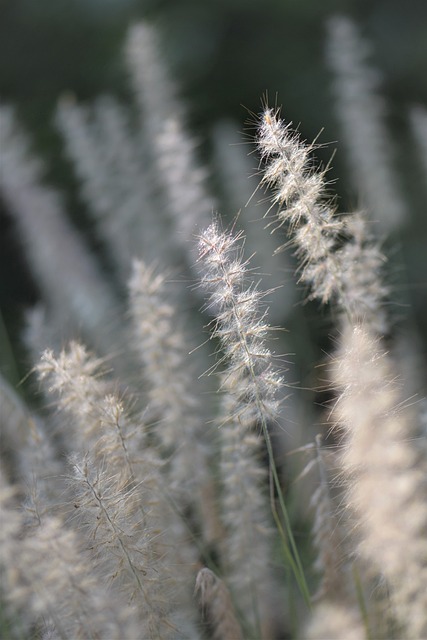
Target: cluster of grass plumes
{"type": "Point", "coordinates": [147, 496]}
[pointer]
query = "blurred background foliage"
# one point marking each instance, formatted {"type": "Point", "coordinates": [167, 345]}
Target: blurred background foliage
{"type": "Point", "coordinates": [225, 55]}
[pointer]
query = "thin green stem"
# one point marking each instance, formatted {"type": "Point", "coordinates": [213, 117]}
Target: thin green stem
{"type": "Point", "coordinates": [293, 558]}
{"type": "Point", "coordinates": [361, 601]}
